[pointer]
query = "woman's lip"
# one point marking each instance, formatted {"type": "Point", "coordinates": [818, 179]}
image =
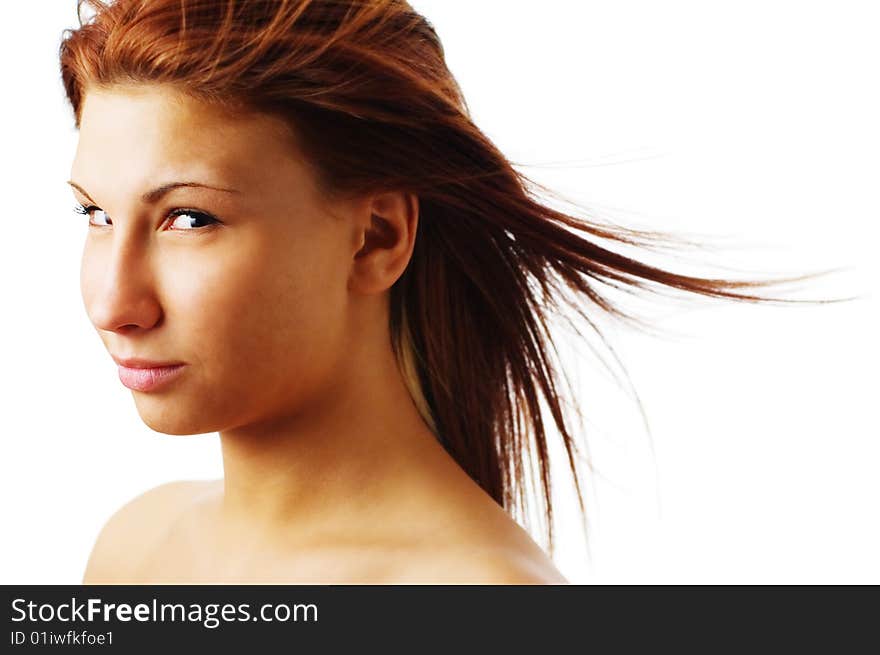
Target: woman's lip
{"type": "Point", "coordinates": [148, 379]}
{"type": "Point", "coordinates": [137, 362]}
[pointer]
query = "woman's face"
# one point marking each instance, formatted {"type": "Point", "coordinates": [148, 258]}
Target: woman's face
{"type": "Point", "coordinates": [254, 302]}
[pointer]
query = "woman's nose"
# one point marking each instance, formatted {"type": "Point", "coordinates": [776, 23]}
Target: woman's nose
{"type": "Point", "coordinates": [119, 286]}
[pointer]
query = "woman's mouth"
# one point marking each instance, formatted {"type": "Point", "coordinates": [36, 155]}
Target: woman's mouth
{"type": "Point", "coordinates": [148, 379]}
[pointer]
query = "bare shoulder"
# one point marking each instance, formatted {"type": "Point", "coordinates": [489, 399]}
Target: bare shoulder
{"type": "Point", "coordinates": [507, 567]}
{"type": "Point", "coordinates": [128, 533]}
{"type": "Point", "coordinates": [503, 557]}
{"type": "Point", "coordinates": [528, 569]}
{"type": "Point", "coordinates": [474, 541]}
{"type": "Point", "coordinates": [481, 565]}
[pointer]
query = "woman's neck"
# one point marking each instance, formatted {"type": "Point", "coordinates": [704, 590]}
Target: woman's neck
{"type": "Point", "coordinates": [338, 460]}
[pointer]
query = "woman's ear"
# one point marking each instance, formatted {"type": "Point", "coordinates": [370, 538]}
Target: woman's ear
{"type": "Point", "coordinates": [386, 234]}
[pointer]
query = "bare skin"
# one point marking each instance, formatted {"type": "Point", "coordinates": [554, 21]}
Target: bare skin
{"type": "Point", "coordinates": [279, 311]}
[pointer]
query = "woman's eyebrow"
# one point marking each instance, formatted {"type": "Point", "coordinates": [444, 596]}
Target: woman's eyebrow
{"type": "Point", "coordinates": [158, 192]}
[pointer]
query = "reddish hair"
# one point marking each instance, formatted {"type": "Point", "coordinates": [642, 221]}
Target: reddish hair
{"type": "Point", "coordinates": [491, 261]}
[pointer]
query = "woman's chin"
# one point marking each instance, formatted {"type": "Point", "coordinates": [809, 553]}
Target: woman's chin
{"type": "Point", "coordinates": [169, 419]}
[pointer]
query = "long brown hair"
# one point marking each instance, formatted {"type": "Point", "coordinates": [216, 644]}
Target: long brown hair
{"type": "Point", "coordinates": [364, 86]}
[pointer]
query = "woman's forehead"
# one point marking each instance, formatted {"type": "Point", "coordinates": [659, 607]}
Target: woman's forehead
{"type": "Point", "coordinates": [176, 136]}
{"type": "Point", "coordinates": [155, 111]}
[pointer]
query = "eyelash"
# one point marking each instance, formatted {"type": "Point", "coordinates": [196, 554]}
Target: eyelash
{"type": "Point", "coordinates": [87, 211]}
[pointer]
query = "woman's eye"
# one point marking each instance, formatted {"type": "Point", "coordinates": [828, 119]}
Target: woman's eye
{"type": "Point", "coordinates": [91, 211]}
{"type": "Point", "coordinates": [191, 218]}
{"type": "Point", "coordinates": [186, 220]}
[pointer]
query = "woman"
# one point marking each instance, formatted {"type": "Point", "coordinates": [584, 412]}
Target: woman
{"type": "Point", "coordinates": [299, 239]}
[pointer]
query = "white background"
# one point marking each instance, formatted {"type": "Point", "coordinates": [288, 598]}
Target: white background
{"type": "Point", "coordinates": [752, 124]}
